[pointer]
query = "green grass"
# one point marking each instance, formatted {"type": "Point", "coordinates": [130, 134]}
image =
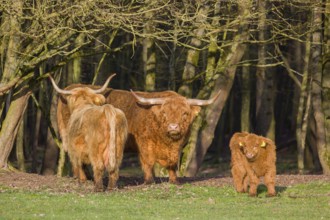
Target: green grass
{"type": "Point", "coordinates": [165, 201]}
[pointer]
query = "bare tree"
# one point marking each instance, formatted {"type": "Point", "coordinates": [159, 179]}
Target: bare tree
{"type": "Point", "coordinates": [265, 91]}
{"type": "Point", "coordinates": [193, 53]}
{"type": "Point", "coordinates": [326, 77]}
{"type": "Point", "coordinates": [316, 70]}
{"type": "Point", "coordinates": [201, 137]}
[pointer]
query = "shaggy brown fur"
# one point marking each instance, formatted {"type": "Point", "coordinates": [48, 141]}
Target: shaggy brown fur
{"type": "Point", "coordinates": [63, 111]}
{"type": "Point", "coordinates": [94, 134]}
{"type": "Point", "coordinates": [82, 96]}
{"type": "Point", "coordinates": [252, 157]}
{"type": "Point", "coordinates": [157, 131]}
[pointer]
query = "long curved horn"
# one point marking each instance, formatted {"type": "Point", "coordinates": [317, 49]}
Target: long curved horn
{"type": "Point", "coordinates": [148, 101]}
{"type": "Point", "coordinates": [104, 87]}
{"type": "Point", "coordinates": [61, 91]}
{"type": "Point", "coordinates": [201, 102]}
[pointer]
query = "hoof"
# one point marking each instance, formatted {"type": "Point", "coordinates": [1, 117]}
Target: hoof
{"type": "Point", "coordinates": [252, 194]}
{"type": "Point", "coordinates": [175, 182]}
{"type": "Point", "coordinates": [98, 189]}
{"type": "Point", "coordinates": [271, 195]}
{"type": "Point", "coordinates": [149, 181]}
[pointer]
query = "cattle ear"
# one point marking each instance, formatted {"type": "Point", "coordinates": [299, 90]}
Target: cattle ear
{"type": "Point", "coordinates": [263, 144]}
{"type": "Point", "coordinates": [63, 98]}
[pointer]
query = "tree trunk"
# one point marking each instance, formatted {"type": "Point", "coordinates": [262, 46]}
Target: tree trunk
{"type": "Point", "coordinates": [326, 79]}
{"type": "Point", "coordinates": [20, 147]}
{"type": "Point", "coordinates": [304, 108]}
{"type": "Point", "coordinates": [149, 60]}
{"type": "Point", "coordinates": [76, 63]}
{"type": "Point", "coordinates": [316, 68]}
{"type": "Point", "coordinates": [52, 149]}
{"type": "Point", "coordinates": [18, 104]}
{"type": "Point", "coordinates": [265, 122]}
{"type": "Point", "coordinates": [311, 146]}
{"type": "Point", "coordinates": [201, 139]}
{"type": "Point", "coordinates": [149, 55]}
{"type": "Point", "coordinates": [298, 65]}
{"type": "Point", "coordinates": [172, 62]}
{"type": "Point", "coordinates": [4, 28]}
{"type": "Point", "coordinates": [10, 46]}
{"type": "Point", "coordinates": [11, 124]}
{"type": "Point", "coordinates": [35, 144]}
{"type": "Point", "coordinates": [213, 46]}
{"type": "Point", "coordinates": [246, 98]}
{"type": "Point", "coordinates": [193, 54]}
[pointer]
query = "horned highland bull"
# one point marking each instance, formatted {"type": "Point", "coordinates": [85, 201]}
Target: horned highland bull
{"type": "Point", "coordinates": [95, 134]}
{"type": "Point", "coordinates": [252, 157]}
{"type": "Point", "coordinates": [158, 125]}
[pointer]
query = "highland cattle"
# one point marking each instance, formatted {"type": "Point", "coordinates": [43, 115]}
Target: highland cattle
{"type": "Point", "coordinates": [158, 125]}
{"type": "Point", "coordinates": [95, 133]}
{"type": "Point", "coordinates": [252, 157]}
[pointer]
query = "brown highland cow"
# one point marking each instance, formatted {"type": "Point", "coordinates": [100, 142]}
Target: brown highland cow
{"type": "Point", "coordinates": [95, 134]}
{"type": "Point", "coordinates": [252, 157]}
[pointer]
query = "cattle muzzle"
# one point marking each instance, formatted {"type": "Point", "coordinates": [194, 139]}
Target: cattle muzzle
{"type": "Point", "coordinates": [250, 156]}
{"type": "Point", "coordinates": [173, 131]}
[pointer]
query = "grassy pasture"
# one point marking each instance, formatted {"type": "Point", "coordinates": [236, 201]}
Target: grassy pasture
{"type": "Point", "coordinates": [166, 201]}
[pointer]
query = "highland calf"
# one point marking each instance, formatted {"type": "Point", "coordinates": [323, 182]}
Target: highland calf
{"type": "Point", "coordinates": [95, 134]}
{"type": "Point", "coordinates": [252, 157]}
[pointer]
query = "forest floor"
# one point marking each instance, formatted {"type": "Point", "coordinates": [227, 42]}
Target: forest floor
{"type": "Point", "coordinates": [131, 178]}
{"type": "Point", "coordinates": [36, 182]}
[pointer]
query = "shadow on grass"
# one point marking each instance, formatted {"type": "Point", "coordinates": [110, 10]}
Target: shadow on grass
{"type": "Point", "coordinates": [262, 188]}
{"type": "Point", "coordinates": [127, 181]}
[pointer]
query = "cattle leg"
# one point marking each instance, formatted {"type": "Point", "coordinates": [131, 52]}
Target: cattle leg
{"type": "Point", "coordinates": [113, 178]}
{"type": "Point", "coordinates": [254, 182]}
{"type": "Point", "coordinates": [78, 171]}
{"type": "Point", "coordinates": [148, 173]}
{"type": "Point", "coordinates": [172, 175]}
{"type": "Point", "coordinates": [246, 183]}
{"type": "Point", "coordinates": [82, 175]}
{"type": "Point", "coordinates": [270, 183]}
{"type": "Point", "coordinates": [98, 170]}
{"type": "Point", "coordinates": [75, 170]}
{"type": "Point", "coordinates": [239, 174]}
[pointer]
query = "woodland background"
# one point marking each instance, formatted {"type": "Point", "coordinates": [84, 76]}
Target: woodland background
{"type": "Point", "coordinates": [270, 58]}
